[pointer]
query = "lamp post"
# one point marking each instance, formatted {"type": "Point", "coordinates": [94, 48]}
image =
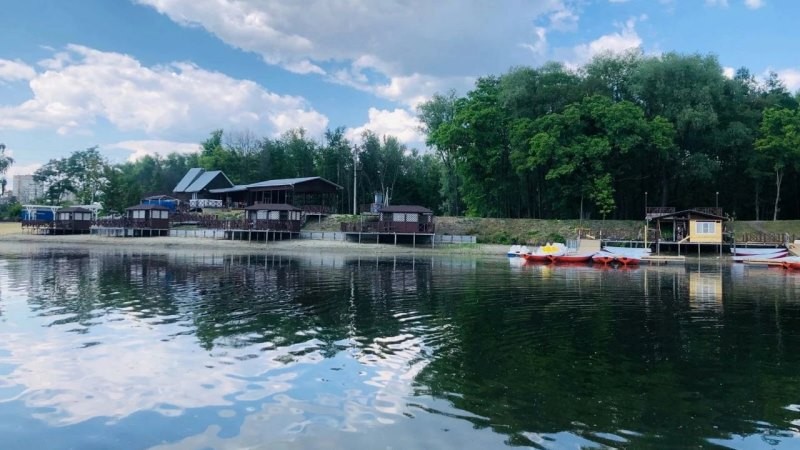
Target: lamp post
{"type": "Point", "coordinates": [716, 202]}
{"type": "Point", "coordinates": [355, 181]}
{"type": "Point", "coordinates": [645, 203]}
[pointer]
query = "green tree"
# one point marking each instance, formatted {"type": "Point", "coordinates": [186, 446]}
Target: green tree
{"type": "Point", "coordinates": [779, 143]}
{"type": "Point", "coordinates": [5, 162]}
{"type": "Point", "coordinates": [437, 117]}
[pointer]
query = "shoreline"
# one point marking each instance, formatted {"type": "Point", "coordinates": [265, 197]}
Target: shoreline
{"type": "Point", "coordinates": [293, 246]}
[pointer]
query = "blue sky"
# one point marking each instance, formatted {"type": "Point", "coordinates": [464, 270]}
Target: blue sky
{"type": "Point", "coordinates": [140, 77]}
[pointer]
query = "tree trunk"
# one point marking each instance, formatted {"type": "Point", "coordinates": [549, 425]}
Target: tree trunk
{"type": "Point", "coordinates": [778, 180]}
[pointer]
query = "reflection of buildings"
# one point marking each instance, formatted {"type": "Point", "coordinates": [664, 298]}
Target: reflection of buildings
{"type": "Point", "coordinates": [705, 290]}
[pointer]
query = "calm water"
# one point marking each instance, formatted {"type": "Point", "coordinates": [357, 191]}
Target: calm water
{"type": "Point", "coordinates": [105, 349]}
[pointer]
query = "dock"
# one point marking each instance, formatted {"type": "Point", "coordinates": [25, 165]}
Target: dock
{"type": "Point", "coordinates": [664, 259]}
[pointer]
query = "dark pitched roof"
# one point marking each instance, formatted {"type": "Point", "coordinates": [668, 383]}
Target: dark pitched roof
{"type": "Point", "coordinates": [77, 209]}
{"type": "Point", "coordinates": [160, 197]}
{"type": "Point", "coordinates": [149, 207]}
{"type": "Point", "coordinates": [197, 179]}
{"type": "Point", "coordinates": [188, 179]}
{"type": "Point", "coordinates": [205, 179]}
{"type": "Point", "coordinates": [272, 207]}
{"type": "Point", "coordinates": [289, 182]}
{"type": "Point", "coordinates": [406, 209]}
{"type": "Point", "coordinates": [692, 212]}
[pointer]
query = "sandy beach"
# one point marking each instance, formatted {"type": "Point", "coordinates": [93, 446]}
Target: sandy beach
{"type": "Point", "coordinates": [12, 235]}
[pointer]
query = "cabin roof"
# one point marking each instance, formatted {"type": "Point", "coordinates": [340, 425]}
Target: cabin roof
{"type": "Point", "coordinates": [148, 207]}
{"type": "Point", "coordinates": [205, 179]}
{"type": "Point", "coordinates": [160, 197]}
{"type": "Point", "coordinates": [691, 213]}
{"type": "Point", "coordinates": [187, 179]}
{"type": "Point", "coordinates": [77, 209]}
{"type": "Point", "coordinates": [277, 183]}
{"type": "Point", "coordinates": [197, 179]}
{"type": "Point", "coordinates": [272, 207]}
{"type": "Point", "coordinates": [406, 209]}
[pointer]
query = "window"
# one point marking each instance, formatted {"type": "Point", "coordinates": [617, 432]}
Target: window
{"type": "Point", "coordinates": [412, 217]}
{"type": "Point", "coordinates": [274, 215]}
{"type": "Point", "coordinates": [705, 227]}
{"type": "Point", "coordinates": [138, 214]}
{"type": "Point", "coordinates": [398, 217]}
{"type": "Point", "coordinates": [261, 215]}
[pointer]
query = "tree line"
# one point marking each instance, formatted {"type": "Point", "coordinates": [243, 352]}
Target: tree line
{"type": "Point", "coordinates": [624, 132]}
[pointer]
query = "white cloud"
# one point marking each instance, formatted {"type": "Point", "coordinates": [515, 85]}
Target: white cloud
{"type": "Point", "coordinates": [790, 77]}
{"type": "Point", "coordinates": [563, 19]}
{"type": "Point", "coordinates": [140, 149]}
{"type": "Point", "coordinates": [754, 4]}
{"type": "Point", "coordinates": [625, 39]}
{"type": "Point", "coordinates": [378, 44]}
{"type": "Point", "coordinates": [539, 47]}
{"type": "Point", "coordinates": [15, 70]}
{"type": "Point", "coordinates": [83, 85]}
{"type": "Point", "coordinates": [399, 123]}
{"type": "Point", "coordinates": [729, 72]}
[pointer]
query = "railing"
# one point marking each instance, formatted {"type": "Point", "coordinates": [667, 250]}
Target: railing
{"type": "Point", "coordinates": [317, 209]}
{"type": "Point", "coordinates": [655, 211]}
{"type": "Point", "coordinates": [387, 227]}
{"type": "Point", "coordinates": [132, 223]}
{"type": "Point", "coordinates": [205, 203]}
{"type": "Point", "coordinates": [709, 210]}
{"type": "Point", "coordinates": [37, 223]}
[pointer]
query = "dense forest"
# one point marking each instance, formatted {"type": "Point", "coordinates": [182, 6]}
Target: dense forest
{"type": "Point", "coordinates": [623, 132]}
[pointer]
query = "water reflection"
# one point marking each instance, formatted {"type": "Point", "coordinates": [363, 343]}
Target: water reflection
{"type": "Point", "coordinates": [212, 350]}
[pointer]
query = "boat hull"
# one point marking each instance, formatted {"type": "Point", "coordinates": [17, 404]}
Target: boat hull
{"type": "Point", "coordinates": [744, 258]}
{"type": "Point", "coordinates": [756, 251]}
{"type": "Point", "coordinates": [581, 258]}
{"type": "Point", "coordinates": [627, 260]}
{"type": "Point", "coordinates": [532, 257]}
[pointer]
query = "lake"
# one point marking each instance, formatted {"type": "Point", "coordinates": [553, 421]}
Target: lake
{"type": "Point", "coordinates": [108, 348]}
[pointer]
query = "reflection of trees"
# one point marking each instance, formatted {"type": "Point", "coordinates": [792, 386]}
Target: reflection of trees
{"type": "Point", "coordinates": [541, 349]}
{"type": "Point", "coordinates": [541, 360]}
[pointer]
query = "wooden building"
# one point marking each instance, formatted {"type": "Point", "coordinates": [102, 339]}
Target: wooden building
{"type": "Point", "coordinates": [313, 195]}
{"type": "Point", "coordinates": [406, 219]}
{"type": "Point", "coordinates": [147, 220]}
{"type": "Point", "coordinates": [698, 226]}
{"type": "Point", "coordinates": [73, 220]}
{"type": "Point", "coordinates": [397, 222]}
{"type": "Point", "coordinates": [275, 217]}
{"type": "Point", "coordinates": [196, 186]}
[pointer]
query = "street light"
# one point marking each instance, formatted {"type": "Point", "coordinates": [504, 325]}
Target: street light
{"type": "Point", "coordinates": [645, 203]}
{"type": "Point", "coordinates": [716, 203]}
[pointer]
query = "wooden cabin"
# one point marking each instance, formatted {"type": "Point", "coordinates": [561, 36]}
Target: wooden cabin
{"type": "Point", "coordinates": [196, 185]}
{"type": "Point", "coordinates": [313, 195]}
{"type": "Point", "coordinates": [275, 216]}
{"type": "Point", "coordinates": [691, 225]}
{"type": "Point", "coordinates": [406, 219]}
{"type": "Point", "coordinates": [152, 217]}
{"type": "Point", "coordinates": [73, 220]}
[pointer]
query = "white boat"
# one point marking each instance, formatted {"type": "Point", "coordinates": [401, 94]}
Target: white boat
{"type": "Point", "coordinates": [743, 251]}
{"type": "Point", "coordinates": [518, 250]}
{"type": "Point", "coordinates": [743, 258]}
{"type": "Point", "coordinates": [628, 251]}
